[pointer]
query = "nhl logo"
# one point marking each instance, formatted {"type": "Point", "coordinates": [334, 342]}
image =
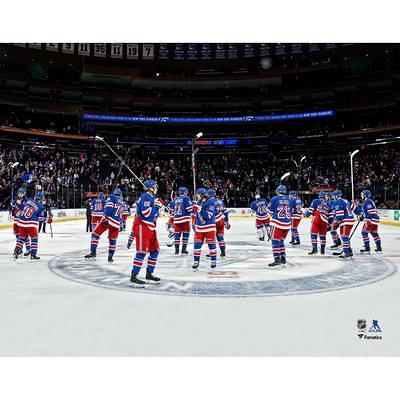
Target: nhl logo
{"type": "Point", "coordinates": [362, 324]}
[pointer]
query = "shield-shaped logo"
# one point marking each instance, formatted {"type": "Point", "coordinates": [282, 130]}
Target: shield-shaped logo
{"type": "Point", "coordinates": [362, 324]}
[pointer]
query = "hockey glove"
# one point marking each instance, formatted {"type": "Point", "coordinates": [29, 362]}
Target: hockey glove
{"type": "Point", "coordinates": [158, 203]}
{"type": "Point", "coordinates": [361, 217]}
{"type": "Point", "coordinates": [227, 225]}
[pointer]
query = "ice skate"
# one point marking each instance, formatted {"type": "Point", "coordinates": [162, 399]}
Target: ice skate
{"type": "Point", "coordinates": [152, 279]}
{"type": "Point", "coordinates": [313, 251]}
{"type": "Point", "coordinates": [378, 249]}
{"type": "Point", "coordinates": [275, 263]}
{"type": "Point", "coordinates": [110, 259]}
{"type": "Point", "coordinates": [16, 254]}
{"type": "Point", "coordinates": [365, 249]}
{"type": "Point", "coordinates": [195, 266]}
{"type": "Point", "coordinates": [92, 254]}
{"type": "Point", "coordinates": [223, 254]}
{"type": "Point", "coordinates": [184, 252]}
{"type": "Point", "coordinates": [336, 245]}
{"type": "Point", "coordinates": [135, 282]}
{"type": "Point", "coordinates": [282, 259]}
{"type": "Point", "coordinates": [345, 256]}
{"type": "Point", "coordinates": [27, 253]}
{"type": "Point", "coordinates": [322, 251]}
{"type": "Point", "coordinates": [34, 257]}
{"type": "Point", "coordinates": [213, 264]}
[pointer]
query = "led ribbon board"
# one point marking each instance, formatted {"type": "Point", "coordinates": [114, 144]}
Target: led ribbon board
{"type": "Point", "coordinates": [206, 120]}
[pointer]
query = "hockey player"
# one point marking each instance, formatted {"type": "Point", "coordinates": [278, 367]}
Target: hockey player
{"type": "Point", "coordinates": [259, 206]}
{"type": "Point", "coordinates": [16, 206]}
{"type": "Point", "coordinates": [221, 221]}
{"type": "Point", "coordinates": [295, 208]}
{"type": "Point", "coordinates": [182, 210]}
{"type": "Point", "coordinates": [111, 221]}
{"type": "Point", "coordinates": [205, 228]}
{"type": "Point", "coordinates": [144, 227]}
{"type": "Point", "coordinates": [28, 224]}
{"type": "Point", "coordinates": [319, 209]}
{"type": "Point", "coordinates": [126, 212]}
{"type": "Point", "coordinates": [369, 213]}
{"type": "Point", "coordinates": [281, 221]}
{"type": "Point", "coordinates": [343, 219]}
{"type": "Point", "coordinates": [335, 237]}
{"type": "Point", "coordinates": [97, 209]}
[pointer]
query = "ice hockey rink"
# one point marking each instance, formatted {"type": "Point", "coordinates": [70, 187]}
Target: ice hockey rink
{"type": "Point", "coordinates": [63, 305]}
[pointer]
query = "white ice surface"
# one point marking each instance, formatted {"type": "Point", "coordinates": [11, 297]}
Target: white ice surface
{"type": "Point", "coordinates": [43, 314]}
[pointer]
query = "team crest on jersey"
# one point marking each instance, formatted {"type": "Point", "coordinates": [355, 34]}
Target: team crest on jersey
{"type": "Point", "coordinates": [147, 203]}
{"type": "Point", "coordinates": [232, 277]}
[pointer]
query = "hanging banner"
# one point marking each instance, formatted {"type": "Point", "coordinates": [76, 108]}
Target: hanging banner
{"type": "Point", "coordinates": [148, 51]}
{"type": "Point", "coordinates": [132, 51]}
{"type": "Point", "coordinates": [35, 45]}
{"type": "Point", "coordinates": [84, 49]}
{"type": "Point", "coordinates": [52, 47]}
{"type": "Point", "coordinates": [117, 50]}
{"type": "Point", "coordinates": [100, 50]}
{"type": "Point", "coordinates": [68, 48]}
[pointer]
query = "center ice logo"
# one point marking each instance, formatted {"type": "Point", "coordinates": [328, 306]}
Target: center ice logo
{"type": "Point", "coordinates": [227, 281]}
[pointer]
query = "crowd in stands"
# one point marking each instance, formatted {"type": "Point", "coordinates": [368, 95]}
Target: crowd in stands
{"type": "Point", "coordinates": [66, 175]}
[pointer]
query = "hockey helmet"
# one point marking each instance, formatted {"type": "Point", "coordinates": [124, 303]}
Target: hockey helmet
{"type": "Point", "coordinates": [117, 192]}
{"type": "Point", "coordinates": [39, 196]}
{"type": "Point", "coordinates": [281, 189]}
{"type": "Point", "coordinates": [337, 193]}
{"type": "Point", "coordinates": [211, 192]}
{"type": "Point", "coordinates": [321, 195]}
{"type": "Point", "coordinates": [101, 195]}
{"type": "Point", "coordinates": [366, 193]}
{"type": "Point", "coordinates": [293, 193]}
{"type": "Point", "coordinates": [182, 190]}
{"type": "Point", "coordinates": [201, 192]}
{"type": "Point", "coordinates": [150, 184]}
{"type": "Point", "coordinates": [21, 191]}
{"type": "Point", "coordinates": [257, 197]}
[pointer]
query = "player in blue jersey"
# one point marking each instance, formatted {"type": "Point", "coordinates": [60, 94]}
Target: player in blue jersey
{"type": "Point", "coordinates": [182, 209]}
{"type": "Point", "coordinates": [28, 222]}
{"type": "Point", "coordinates": [205, 229]}
{"type": "Point", "coordinates": [281, 222]}
{"type": "Point", "coordinates": [335, 237]}
{"type": "Point", "coordinates": [259, 206]}
{"type": "Point", "coordinates": [110, 221]}
{"type": "Point", "coordinates": [126, 212]}
{"type": "Point", "coordinates": [343, 219]}
{"type": "Point", "coordinates": [16, 206]}
{"type": "Point", "coordinates": [319, 209]}
{"type": "Point", "coordinates": [221, 221]}
{"type": "Point", "coordinates": [97, 209]}
{"type": "Point", "coordinates": [369, 213]}
{"type": "Point", "coordinates": [295, 208]}
{"type": "Point", "coordinates": [144, 227]}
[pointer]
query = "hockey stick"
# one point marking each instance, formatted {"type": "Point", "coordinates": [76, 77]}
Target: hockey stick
{"type": "Point", "coordinates": [269, 233]}
{"type": "Point", "coordinates": [284, 176]}
{"type": "Point", "coordinates": [351, 235]}
{"type": "Point", "coordinates": [51, 230]}
{"type": "Point", "coordinates": [98, 138]}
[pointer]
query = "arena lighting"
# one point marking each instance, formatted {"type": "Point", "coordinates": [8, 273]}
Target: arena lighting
{"type": "Point", "coordinates": [194, 151]}
{"type": "Point", "coordinates": [189, 120]}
